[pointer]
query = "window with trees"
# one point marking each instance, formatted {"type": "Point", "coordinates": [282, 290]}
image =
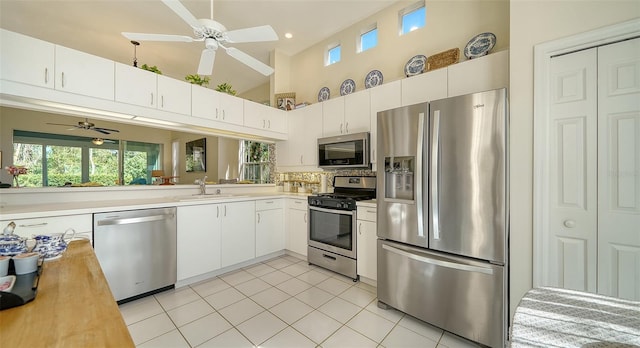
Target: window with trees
{"type": "Point", "coordinates": [58, 160]}
{"type": "Point", "coordinates": [255, 164]}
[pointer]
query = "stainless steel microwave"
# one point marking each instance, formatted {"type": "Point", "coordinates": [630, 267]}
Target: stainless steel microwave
{"type": "Point", "coordinates": [344, 151]}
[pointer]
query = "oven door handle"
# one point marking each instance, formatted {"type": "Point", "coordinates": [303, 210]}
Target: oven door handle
{"type": "Point", "coordinates": [333, 211]}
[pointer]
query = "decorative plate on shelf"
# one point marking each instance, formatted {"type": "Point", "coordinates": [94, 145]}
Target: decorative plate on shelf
{"type": "Point", "coordinates": [373, 78]}
{"type": "Point", "coordinates": [415, 65]}
{"type": "Point", "coordinates": [479, 45]}
{"type": "Point", "coordinates": [323, 94]}
{"type": "Point", "coordinates": [347, 87]}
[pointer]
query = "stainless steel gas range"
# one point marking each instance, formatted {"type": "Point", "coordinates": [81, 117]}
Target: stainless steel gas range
{"type": "Point", "coordinates": [332, 224]}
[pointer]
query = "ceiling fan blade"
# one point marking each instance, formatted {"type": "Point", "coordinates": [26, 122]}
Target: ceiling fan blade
{"type": "Point", "coordinates": [106, 129]}
{"type": "Point", "coordinates": [100, 130]}
{"type": "Point", "coordinates": [254, 34]}
{"type": "Point", "coordinates": [207, 58]}
{"type": "Point", "coordinates": [249, 61]}
{"type": "Point", "coordinates": [61, 124]}
{"type": "Point", "coordinates": [177, 7]}
{"type": "Point", "coordinates": [157, 37]}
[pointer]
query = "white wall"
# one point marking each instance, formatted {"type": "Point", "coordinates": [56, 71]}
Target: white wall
{"type": "Point", "coordinates": [449, 24]}
{"type": "Point", "coordinates": [531, 23]}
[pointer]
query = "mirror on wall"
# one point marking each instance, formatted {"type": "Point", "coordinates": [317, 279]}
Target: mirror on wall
{"type": "Point", "coordinates": [60, 154]}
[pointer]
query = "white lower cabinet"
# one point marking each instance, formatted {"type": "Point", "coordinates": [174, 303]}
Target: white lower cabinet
{"type": "Point", "coordinates": [270, 235]}
{"type": "Point", "coordinates": [198, 242]}
{"type": "Point", "coordinates": [297, 220]}
{"type": "Point", "coordinates": [81, 224]}
{"type": "Point", "coordinates": [367, 243]}
{"type": "Point", "coordinates": [237, 229]}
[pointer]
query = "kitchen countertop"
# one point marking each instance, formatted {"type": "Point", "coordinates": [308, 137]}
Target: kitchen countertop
{"type": "Point", "coordinates": [27, 211]}
{"type": "Point", "coordinates": [73, 307]}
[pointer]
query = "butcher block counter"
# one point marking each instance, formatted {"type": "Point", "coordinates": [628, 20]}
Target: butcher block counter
{"type": "Point", "coordinates": [73, 307]}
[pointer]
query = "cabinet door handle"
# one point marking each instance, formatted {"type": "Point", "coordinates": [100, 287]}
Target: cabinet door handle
{"type": "Point", "coordinates": [224, 113]}
{"type": "Point", "coordinates": [151, 98]}
{"type": "Point", "coordinates": [217, 211]}
{"type": "Point", "coordinates": [225, 210]}
{"type": "Point", "coordinates": [301, 162]}
{"type": "Point", "coordinates": [264, 124]}
{"type": "Point", "coordinates": [371, 211]}
{"type": "Point", "coordinates": [569, 223]}
{"type": "Point", "coordinates": [346, 128]}
{"type": "Point", "coordinates": [62, 79]}
{"type": "Point", "coordinates": [340, 128]}
{"type": "Point", "coordinates": [35, 225]}
{"type": "Point", "coordinates": [46, 75]}
{"type": "Point", "coordinates": [305, 217]}
{"type": "Point", "coordinates": [269, 124]}
{"type": "Point", "coordinates": [258, 217]}
{"type": "Point", "coordinates": [216, 113]}
{"type": "Point", "coordinates": [360, 228]}
{"type": "Point", "coordinates": [162, 101]}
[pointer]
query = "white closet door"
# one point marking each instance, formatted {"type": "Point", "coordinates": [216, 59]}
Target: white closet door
{"type": "Point", "coordinates": [619, 169]}
{"type": "Point", "coordinates": [570, 240]}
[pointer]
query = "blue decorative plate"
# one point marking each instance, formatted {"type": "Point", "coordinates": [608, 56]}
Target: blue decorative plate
{"type": "Point", "coordinates": [347, 87]}
{"type": "Point", "coordinates": [324, 94]}
{"type": "Point", "coordinates": [479, 45]}
{"type": "Point", "coordinates": [373, 78]}
{"type": "Point", "coordinates": [415, 65]}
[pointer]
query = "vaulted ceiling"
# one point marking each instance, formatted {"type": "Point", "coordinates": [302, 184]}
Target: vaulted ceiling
{"type": "Point", "coordinates": [95, 26]}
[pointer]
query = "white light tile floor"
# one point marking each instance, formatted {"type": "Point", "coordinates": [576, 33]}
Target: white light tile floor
{"type": "Point", "coordinates": [283, 302]}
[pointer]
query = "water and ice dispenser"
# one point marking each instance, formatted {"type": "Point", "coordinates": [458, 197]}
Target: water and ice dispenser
{"type": "Point", "coordinates": [399, 177]}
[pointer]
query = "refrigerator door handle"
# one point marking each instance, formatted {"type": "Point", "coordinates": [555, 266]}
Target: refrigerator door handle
{"type": "Point", "coordinates": [447, 264]}
{"type": "Point", "coordinates": [435, 149]}
{"type": "Point", "coordinates": [418, 183]}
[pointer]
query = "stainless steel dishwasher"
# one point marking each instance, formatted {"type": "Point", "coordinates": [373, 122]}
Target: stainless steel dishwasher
{"type": "Point", "coordinates": [136, 250]}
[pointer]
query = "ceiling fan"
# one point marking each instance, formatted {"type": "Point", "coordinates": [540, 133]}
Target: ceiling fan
{"type": "Point", "coordinates": [100, 141]}
{"type": "Point", "coordinates": [214, 35]}
{"type": "Point", "coordinates": [86, 125]}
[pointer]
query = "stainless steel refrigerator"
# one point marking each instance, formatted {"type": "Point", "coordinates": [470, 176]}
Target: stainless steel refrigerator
{"type": "Point", "coordinates": [443, 214]}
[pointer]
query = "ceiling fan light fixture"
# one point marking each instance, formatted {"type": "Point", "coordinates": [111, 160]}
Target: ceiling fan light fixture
{"type": "Point", "coordinates": [288, 35]}
{"type": "Point", "coordinates": [97, 141]}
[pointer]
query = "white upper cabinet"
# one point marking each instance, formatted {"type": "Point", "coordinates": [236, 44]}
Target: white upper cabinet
{"type": "Point", "coordinates": [26, 60]}
{"type": "Point", "coordinates": [479, 74]}
{"type": "Point", "coordinates": [305, 127]}
{"type": "Point", "coordinates": [35, 62]}
{"type": "Point", "coordinates": [145, 88]}
{"type": "Point", "coordinates": [136, 86]}
{"type": "Point", "coordinates": [213, 105]}
{"type": "Point", "coordinates": [383, 97]}
{"type": "Point", "coordinates": [425, 87]}
{"type": "Point", "coordinates": [264, 117]}
{"type": "Point", "coordinates": [83, 73]}
{"type": "Point", "coordinates": [174, 95]}
{"type": "Point", "coordinates": [347, 114]}
{"type": "Point", "coordinates": [333, 116]}
{"type": "Point", "coordinates": [357, 116]}
{"type": "Point", "coordinates": [231, 109]}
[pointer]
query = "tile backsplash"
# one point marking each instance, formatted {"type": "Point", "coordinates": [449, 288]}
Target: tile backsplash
{"type": "Point", "coordinates": [316, 176]}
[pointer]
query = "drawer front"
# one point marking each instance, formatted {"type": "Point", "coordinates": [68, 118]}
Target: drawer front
{"type": "Point", "coordinates": [266, 204]}
{"type": "Point", "coordinates": [82, 224]}
{"type": "Point", "coordinates": [366, 213]}
{"type": "Point", "coordinates": [294, 203]}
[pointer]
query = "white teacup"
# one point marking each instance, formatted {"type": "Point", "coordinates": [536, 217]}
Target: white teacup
{"type": "Point", "coordinates": [26, 263]}
{"type": "Point", "coordinates": [4, 265]}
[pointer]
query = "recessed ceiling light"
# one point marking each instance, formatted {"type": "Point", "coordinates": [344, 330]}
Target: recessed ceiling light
{"type": "Point", "coordinates": [288, 35]}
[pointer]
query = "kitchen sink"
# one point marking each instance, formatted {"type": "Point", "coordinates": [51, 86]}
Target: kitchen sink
{"type": "Point", "coordinates": [206, 196]}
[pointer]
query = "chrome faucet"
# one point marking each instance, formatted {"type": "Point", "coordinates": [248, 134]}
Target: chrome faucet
{"type": "Point", "coordinates": [203, 185]}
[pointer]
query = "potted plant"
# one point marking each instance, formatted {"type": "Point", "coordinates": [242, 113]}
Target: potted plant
{"type": "Point", "coordinates": [151, 68]}
{"type": "Point", "coordinates": [197, 80]}
{"type": "Point", "coordinates": [226, 88]}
